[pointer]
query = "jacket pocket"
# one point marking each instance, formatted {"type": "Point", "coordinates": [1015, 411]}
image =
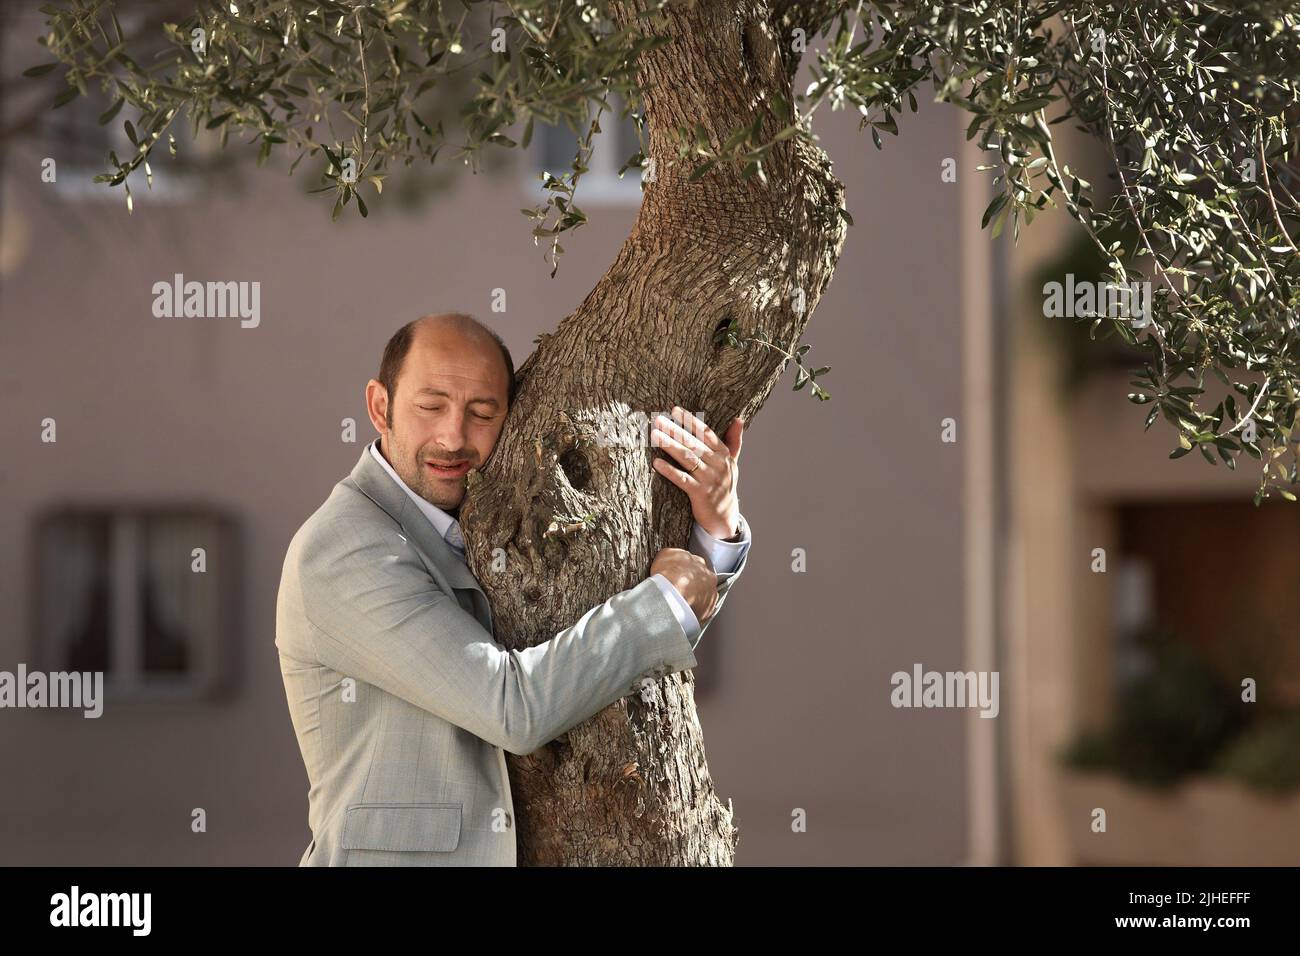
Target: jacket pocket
{"type": "Point", "coordinates": [402, 826]}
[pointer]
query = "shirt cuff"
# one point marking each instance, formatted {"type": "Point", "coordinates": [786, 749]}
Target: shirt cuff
{"type": "Point", "coordinates": [724, 556]}
{"type": "Point", "coordinates": [681, 609]}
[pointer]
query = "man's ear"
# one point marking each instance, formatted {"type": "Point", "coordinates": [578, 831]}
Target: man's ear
{"type": "Point", "coordinates": [377, 405]}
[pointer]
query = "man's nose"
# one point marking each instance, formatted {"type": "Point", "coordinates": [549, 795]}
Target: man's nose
{"type": "Point", "coordinates": [450, 432]}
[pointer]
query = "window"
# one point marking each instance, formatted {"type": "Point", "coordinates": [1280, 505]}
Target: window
{"type": "Point", "coordinates": [1220, 575]}
{"type": "Point", "coordinates": [73, 137]}
{"type": "Point", "coordinates": [145, 596]}
{"type": "Point", "coordinates": [554, 147]}
{"type": "Point", "coordinates": [79, 144]}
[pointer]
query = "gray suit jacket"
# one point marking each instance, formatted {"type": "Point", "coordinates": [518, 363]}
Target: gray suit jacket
{"type": "Point", "coordinates": [403, 703]}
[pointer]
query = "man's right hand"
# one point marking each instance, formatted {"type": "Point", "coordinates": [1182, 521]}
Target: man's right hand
{"type": "Point", "coordinates": [692, 576]}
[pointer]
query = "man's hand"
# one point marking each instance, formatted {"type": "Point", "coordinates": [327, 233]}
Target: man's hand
{"type": "Point", "coordinates": [709, 468]}
{"type": "Point", "coordinates": [691, 576]}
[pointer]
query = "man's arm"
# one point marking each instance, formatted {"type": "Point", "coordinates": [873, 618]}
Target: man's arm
{"type": "Point", "coordinates": [375, 614]}
{"type": "Point", "coordinates": [728, 561]}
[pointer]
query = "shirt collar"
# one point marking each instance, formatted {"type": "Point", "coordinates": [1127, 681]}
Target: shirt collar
{"type": "Point", "coordinates": [440, 520]}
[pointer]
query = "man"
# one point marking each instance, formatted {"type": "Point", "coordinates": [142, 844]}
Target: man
{"type": "Point", "coordinates": [401, 700]}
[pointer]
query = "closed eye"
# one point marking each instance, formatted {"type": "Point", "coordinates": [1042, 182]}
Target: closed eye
{"type": "Point", "coordinates": [477, 415]}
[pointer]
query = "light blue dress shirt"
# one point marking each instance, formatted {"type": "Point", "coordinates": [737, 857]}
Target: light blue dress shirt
{"type": "Point", "coordinates": [724, 556]}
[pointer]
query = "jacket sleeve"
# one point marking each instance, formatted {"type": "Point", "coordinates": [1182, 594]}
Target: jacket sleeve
{"type": "Point", "coordinates": [725, 581]}
{"type": "Point", "coordinates": [375, 613]}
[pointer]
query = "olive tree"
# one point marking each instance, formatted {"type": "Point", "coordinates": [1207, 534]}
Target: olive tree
{"type": "Point", "coordinates": [739, 230]}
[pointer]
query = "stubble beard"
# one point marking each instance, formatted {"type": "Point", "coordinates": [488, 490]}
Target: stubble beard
{"type": "Point", "coordinates": [440, 492]}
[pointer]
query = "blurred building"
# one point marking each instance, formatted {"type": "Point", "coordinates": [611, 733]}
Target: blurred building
{"type": "Point", "coordinates": [1140, 593]}
{"type": "Point", "coordinates": [973, 554]}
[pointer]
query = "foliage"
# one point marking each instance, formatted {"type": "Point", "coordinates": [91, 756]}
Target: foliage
{"type": "Point", "coordinates": [1266, 757]}
{"type": "Point", "coordinates": [1179, 719]}
{"type": "Point", "coordinates": [1084, 347]}
{"type": "Point", "coordinates": [728, 335]}
{"type": "Point", "coordinates": [1195, 104]}
{"type": "Point", "coordinates": [337, 81]}
{"type": "Point", "coordinates": [1171, 722]}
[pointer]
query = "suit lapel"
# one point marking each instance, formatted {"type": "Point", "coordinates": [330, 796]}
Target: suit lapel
{"type": "Point", "coordinates": [379, 487]}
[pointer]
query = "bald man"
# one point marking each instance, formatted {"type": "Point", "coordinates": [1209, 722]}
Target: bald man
{"type": "Point", "coordinates": [402, 702]}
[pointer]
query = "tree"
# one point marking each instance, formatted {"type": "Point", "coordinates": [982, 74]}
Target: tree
{"type": "Point", "coordinates": [739, 231]}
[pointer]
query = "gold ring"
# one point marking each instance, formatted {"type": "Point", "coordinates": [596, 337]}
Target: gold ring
{"type": "Point", "coordinates": [698, 462]}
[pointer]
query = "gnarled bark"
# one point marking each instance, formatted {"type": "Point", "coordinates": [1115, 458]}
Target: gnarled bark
{"type": "Point", "coordinates": [580, 518]}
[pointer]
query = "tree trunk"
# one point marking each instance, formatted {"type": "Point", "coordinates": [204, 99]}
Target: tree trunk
{"type": "Point", "coordinates": [580, 518]}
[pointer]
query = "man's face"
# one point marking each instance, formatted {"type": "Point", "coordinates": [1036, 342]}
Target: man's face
{"type": "Point", "coordinates": [447, 412]}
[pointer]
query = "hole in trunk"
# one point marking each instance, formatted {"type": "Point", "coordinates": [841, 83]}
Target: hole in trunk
{"type": "Point", "coordinates": [576, 469]}
{"type": "Point", "coordinates": [724, 332]}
